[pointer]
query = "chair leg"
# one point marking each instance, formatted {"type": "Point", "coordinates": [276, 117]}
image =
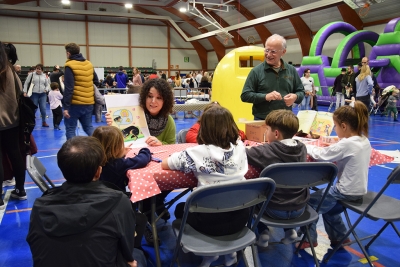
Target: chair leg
{"type": "Point", "coordinates": [377, 235]}
{"type": "Point", "coordinates": [312, 247]}
{"type": "Point", "coordinates": [395, 228]}
{"type": "Point", "coordinates": [175, 255]}
{"type": "Point", "coordinates": [255, 255]}
{"type": "Point", "coordinates": [351, 230]}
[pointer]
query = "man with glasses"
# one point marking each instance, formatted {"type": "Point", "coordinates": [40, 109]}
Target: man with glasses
{"type": "Point", "coordinates": [274, 84]}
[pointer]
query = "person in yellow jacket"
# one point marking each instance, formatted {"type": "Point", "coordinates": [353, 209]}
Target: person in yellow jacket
{"type": "Point", "coordinates": [79, 77]}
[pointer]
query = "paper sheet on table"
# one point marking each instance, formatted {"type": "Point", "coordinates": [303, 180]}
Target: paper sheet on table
{"type": "Point", "coordinates": [129, 117]}
{"type": "Point", "coordinates": [392, 153]}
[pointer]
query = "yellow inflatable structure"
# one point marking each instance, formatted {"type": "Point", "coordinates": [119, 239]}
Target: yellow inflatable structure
{"type": "Point", "coordinates": [229, 79]}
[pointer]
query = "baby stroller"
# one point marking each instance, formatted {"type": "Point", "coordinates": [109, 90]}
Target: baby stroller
{"type": "Point", "coordinates": [382, 101]}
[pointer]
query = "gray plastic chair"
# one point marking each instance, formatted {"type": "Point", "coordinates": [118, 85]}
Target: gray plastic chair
{"type": "Point", "coordinates": [181, 138]}
{"type": "Point", "coordinates": [222, 198]}
{"type": "Point", "coordinates": [300, 175]}
{"type": "Point", "coordinates": [374, 206]}
{"type": "Point", "coordinates": [37, 172]}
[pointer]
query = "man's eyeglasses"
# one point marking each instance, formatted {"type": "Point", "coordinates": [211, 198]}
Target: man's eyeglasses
{"type": "Point", "coordinates": [364, 62]}
{"type": "Point", "coordinates": [266, 51]}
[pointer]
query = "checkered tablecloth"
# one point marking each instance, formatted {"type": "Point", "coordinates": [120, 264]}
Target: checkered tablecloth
{"type": "Point", "coordinates": [151, 180]}
{"type": "Point", "coordinates": [190, 107]}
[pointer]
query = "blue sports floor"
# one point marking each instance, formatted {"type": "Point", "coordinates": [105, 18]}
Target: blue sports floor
{"type": "Point", "coordinates": [384, 135]}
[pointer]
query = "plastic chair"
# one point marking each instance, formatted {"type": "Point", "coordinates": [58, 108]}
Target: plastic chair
{"type": "Point", "coordinates": [181, 138]}
{"type": "Point", "coordinates": [222, 198]}
{"type": "Point", "coordinates": [300, 175]}
{"type": "Point", "coordinates": [37, 172]}
{"type": "Point", "coordinates": [374, 206]}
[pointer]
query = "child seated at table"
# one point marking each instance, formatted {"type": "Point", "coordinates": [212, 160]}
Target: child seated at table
{"type": "Point", "coordinates": [114, 171]}
{"type": "Point", "coordinates": [285, 203]}
{"type": "Point", "coordinates": [220, 157]}
{"type": "Point", "coordinates": [352, 155]}
{"type": "Point", "coordinates": [191, 136]}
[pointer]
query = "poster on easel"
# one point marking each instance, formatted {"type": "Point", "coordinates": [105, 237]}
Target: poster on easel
{"type": "Point", "coordinates": [129, 117]}
{"type": "Point", "coordinates": [317, 122]}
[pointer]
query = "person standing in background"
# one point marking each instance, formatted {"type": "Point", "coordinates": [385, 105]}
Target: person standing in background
{"type": "Point", "coordinates": [121, 78]}
{"type": "Point", "coordinates": [55, 77]}
{"type": "Point", "coordinates": [79, 78]}
{"type": "Point", "coordinates": [41, 86]}
{"type": "Point", "coordinates": [338, 89]}
{"type": "Point", "coordinates": [309, 90]}
{"type": "Point", "coordinates": [349, 80]}
{"type": "Point", "coordinates": [55, 98]}
{"type": "Point", "coordinates": [136, 79]}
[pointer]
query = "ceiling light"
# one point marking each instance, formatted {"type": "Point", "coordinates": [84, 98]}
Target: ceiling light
{"type": "Point", "coordinates": [182, 9]}
{"type": "Point", "coordinates": [65, 2]}
{"type": "Point", "coordinates": [128, 5]}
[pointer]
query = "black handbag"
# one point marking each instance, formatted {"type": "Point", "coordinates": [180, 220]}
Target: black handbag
{"type": "Point", "coordinates": [26, 110]}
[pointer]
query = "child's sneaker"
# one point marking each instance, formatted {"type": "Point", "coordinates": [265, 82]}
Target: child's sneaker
{"type": "Point", "coordinates": [2, 206]}
{"type": "Point", "coordinates": [290, 236]}
{"type": "Point", "coordinates": [263, 239]}
{"type": "Point", "coordinates": [230, 259]}
{"type": "Point", "coordinates": [20, 194]}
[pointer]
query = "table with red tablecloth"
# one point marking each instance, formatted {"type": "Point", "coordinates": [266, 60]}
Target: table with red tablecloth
{"type": "Point", "coordinates": [151, 180]}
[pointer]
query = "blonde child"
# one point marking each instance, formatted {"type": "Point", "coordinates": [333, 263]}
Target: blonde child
{"type": "Point", "coordinates": [282, 125]}
{"type": "Point", "coordinates": [117, 165]}
{"type": "Point", "coordinates": [352, 156]}
{"type": "Point", "coordinates": [220, 157]}
{"type": "Point", "coordinates": [55, 97]}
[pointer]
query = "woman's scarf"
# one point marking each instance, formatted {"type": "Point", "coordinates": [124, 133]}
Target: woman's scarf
{"type": "Point", "coordinates": [156, 124]}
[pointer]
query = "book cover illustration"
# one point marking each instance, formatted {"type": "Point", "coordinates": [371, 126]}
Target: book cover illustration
{"type": "Point", "coordinates": [129, 117]}
{"type": "Point", "coordinates": [320, 123]}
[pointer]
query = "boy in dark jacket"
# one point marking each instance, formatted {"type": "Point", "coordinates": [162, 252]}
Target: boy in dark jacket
{"type": "Point", "coordinates": [282, 125]}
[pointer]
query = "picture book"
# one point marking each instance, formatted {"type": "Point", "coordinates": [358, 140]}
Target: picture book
{"type": "Point", "coordinates": [317, 122]}
{"type": "Point", "coordinates": [129, 117]}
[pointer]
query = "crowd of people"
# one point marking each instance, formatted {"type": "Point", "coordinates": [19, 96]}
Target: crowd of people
{"type": "Point", "coordinates": [93, 203]}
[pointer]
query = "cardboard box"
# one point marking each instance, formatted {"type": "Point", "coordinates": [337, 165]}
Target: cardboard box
{"type": "Point", "coordinates": [255, 130]}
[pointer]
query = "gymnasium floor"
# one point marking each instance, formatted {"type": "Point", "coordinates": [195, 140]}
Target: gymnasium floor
{"type": "Point", "coordinates": [384, 135]}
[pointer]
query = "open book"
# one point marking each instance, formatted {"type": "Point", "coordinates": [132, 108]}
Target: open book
{"type": "Point", "coordinates": [129, 117]}
{"type": "Point", "coordinates": [317, 122]}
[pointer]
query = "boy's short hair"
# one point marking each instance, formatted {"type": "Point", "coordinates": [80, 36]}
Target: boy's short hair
{"type": "Point", "coordinates": [54, 86]}
{"type": "Point", "coordinates": [284, 121]}
{"type": "Point", "coordinates": [72, 48]}
{"type": "Point", "coordinates": [79, 158]}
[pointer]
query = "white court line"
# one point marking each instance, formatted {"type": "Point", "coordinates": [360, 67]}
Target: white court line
{"type": "Point", "coordinates": [383, 166]}
{"type": "Point", "coordinates": [7, 198]}
{"type": "Point", "coordinates": [47, 156]}
{"type": "Point", "coordinates": [389, 142]}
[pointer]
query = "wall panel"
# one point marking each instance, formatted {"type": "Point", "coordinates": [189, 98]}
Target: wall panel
{"type": "Point", "coordinates": [19, 30]}
{"type": "Point", "coordinates": [177, 41]}
{"type": "Point", "coordinates": [54, 55]}
{"type": "Point", "coordinates": [108, 34]}
{"type": "Point", "coordinates": [28, 55]}
{"type": "Point", "coordinates": [143, 57]}
{"type": "Point", "coordinates": [62, 32]}
{"type": "Point", "coordinates": [109, 57]}
{"type": "Point", "coordinates": [177, 58]}
{"type": "Point", "coordinates": [149, 36]}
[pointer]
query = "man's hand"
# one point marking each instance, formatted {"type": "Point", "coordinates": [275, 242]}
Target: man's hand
{"type": "Point", "coordinates": [289, 99]}
{"type": "Point", "coordinates": [273, 96]}
{"type": "Point", "coordinates": [132, 263]}
{"type": "Point", "coordinates": [66, 114]}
